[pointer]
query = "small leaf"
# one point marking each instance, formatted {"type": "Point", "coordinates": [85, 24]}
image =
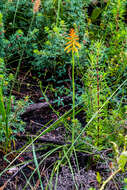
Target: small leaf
{"type": "Point", "coordinates": [125, 180]}
{"type": "Point", "coordinates": [95, 14]}
{"type": "Point", "coordinates": [125, 141]}
{"type": "Point", "coordinates": [115, 149]}
{"type": "Point", "coordinates": [122, 160]}
{"type": "Point", "coordinates": [98, 177]}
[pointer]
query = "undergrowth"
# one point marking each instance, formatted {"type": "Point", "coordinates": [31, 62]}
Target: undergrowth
{"type": "Point", "coordinates": [37, 35]}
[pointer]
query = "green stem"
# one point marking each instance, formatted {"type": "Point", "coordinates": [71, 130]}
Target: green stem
{"type": "Point", "coordinates": [73, 99]}
{"type": "Point", "coordinates": [58, 12]}
{"type": "Point", "coordinates": [109, 178]}
{"type": "Point", "coordinates": [98, 96]}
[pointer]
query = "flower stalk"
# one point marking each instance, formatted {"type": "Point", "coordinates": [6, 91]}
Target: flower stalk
{"type": "Point", "coordinates": [73, 99]}
{"type": "Point", "coordinates": [72, 46]}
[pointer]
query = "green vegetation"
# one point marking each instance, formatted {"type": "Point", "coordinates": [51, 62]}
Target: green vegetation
{"type": "Point", "coordinates": [74, 50]}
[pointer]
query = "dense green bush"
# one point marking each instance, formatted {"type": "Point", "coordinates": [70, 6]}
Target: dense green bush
{"type": "Point", "coordinates": [40, 37]}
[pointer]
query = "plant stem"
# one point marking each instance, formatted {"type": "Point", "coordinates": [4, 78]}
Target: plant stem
{"type": "Point", "coordinates": [117, 15]}
{"type": "Point", "coordinates": [98, 96]}
{"type": "Point", "coordinates": [73, 98]}
{"type": "Point", "coordinates": [109, 178]}
{"type": "Point", "coordinates": [58, 12]}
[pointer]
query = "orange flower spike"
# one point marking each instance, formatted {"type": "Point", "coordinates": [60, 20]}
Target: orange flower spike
{"type": "Point", "coordinates": [72, 44]}
{"type": "Point", "coordinates": [36, 6]}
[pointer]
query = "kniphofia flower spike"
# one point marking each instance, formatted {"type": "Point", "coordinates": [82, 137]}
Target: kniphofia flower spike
{"type": "Point", "coordinates": [72, 44]}
{"type": "Point", "coordinates": [36, 6]}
